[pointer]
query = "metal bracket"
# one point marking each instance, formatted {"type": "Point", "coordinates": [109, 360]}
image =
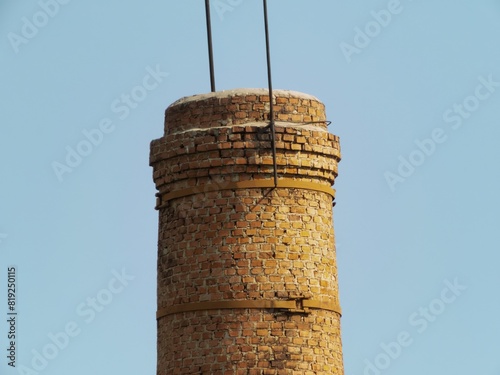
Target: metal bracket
{"type": "Point", "coordinates": [163, 198]}
{"type": "Point", "coordinates": [298, 305]}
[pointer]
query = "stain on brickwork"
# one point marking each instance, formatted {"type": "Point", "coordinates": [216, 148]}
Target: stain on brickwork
{"type": "Point", "coordinates": [247, 274]}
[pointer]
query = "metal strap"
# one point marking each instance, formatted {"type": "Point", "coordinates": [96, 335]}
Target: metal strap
{"type": "Point", "coordinates": [282, 183]}
{"type": "Point", "coordinates": [299, 305]}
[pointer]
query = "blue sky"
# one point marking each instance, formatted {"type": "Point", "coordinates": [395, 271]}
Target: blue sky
{"type": "Point", "coordinates": [411, 87]}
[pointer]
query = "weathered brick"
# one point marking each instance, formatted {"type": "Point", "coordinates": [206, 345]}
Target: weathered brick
{"type": "Point", "coordinates": [220, 244]}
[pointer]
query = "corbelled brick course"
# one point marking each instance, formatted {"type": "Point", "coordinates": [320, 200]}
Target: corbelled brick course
{"type": "Point", "coordinates": [220, 243]}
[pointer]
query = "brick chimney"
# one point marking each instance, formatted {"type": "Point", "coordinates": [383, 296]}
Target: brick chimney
{"type": "Point", "coordinates": [247, 274]}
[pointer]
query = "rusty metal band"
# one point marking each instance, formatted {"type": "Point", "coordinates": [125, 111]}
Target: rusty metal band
{"type": "Point", "coordinates": [282, 183]}
{"type": "Point", "coordinates": [293, 306]}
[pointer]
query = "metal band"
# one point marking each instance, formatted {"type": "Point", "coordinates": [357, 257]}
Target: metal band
{"type": "Point", "coordinates": [282, 183]}
{"type": "Point", "coordinates": [299, 305]}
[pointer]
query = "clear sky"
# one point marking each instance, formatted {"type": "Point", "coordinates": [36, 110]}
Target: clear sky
{"type": "Point", "coordinates": [411, 87]}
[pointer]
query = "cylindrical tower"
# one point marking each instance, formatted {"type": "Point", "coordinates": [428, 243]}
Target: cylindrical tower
{"type": "Point", "coordinates": [247, 275]}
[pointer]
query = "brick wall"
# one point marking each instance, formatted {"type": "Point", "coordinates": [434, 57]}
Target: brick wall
{"type": "Point", "coordinates": [220, 242]}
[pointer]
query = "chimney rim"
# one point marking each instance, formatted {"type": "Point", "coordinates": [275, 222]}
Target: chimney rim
{"type": "Point", "coordinates": [243, 92]}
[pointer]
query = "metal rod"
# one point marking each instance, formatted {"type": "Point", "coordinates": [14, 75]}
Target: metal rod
{"type": "Point", "coordinates": [271, 104]}
{"type": "Point", "coordinates": [210, 47]}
